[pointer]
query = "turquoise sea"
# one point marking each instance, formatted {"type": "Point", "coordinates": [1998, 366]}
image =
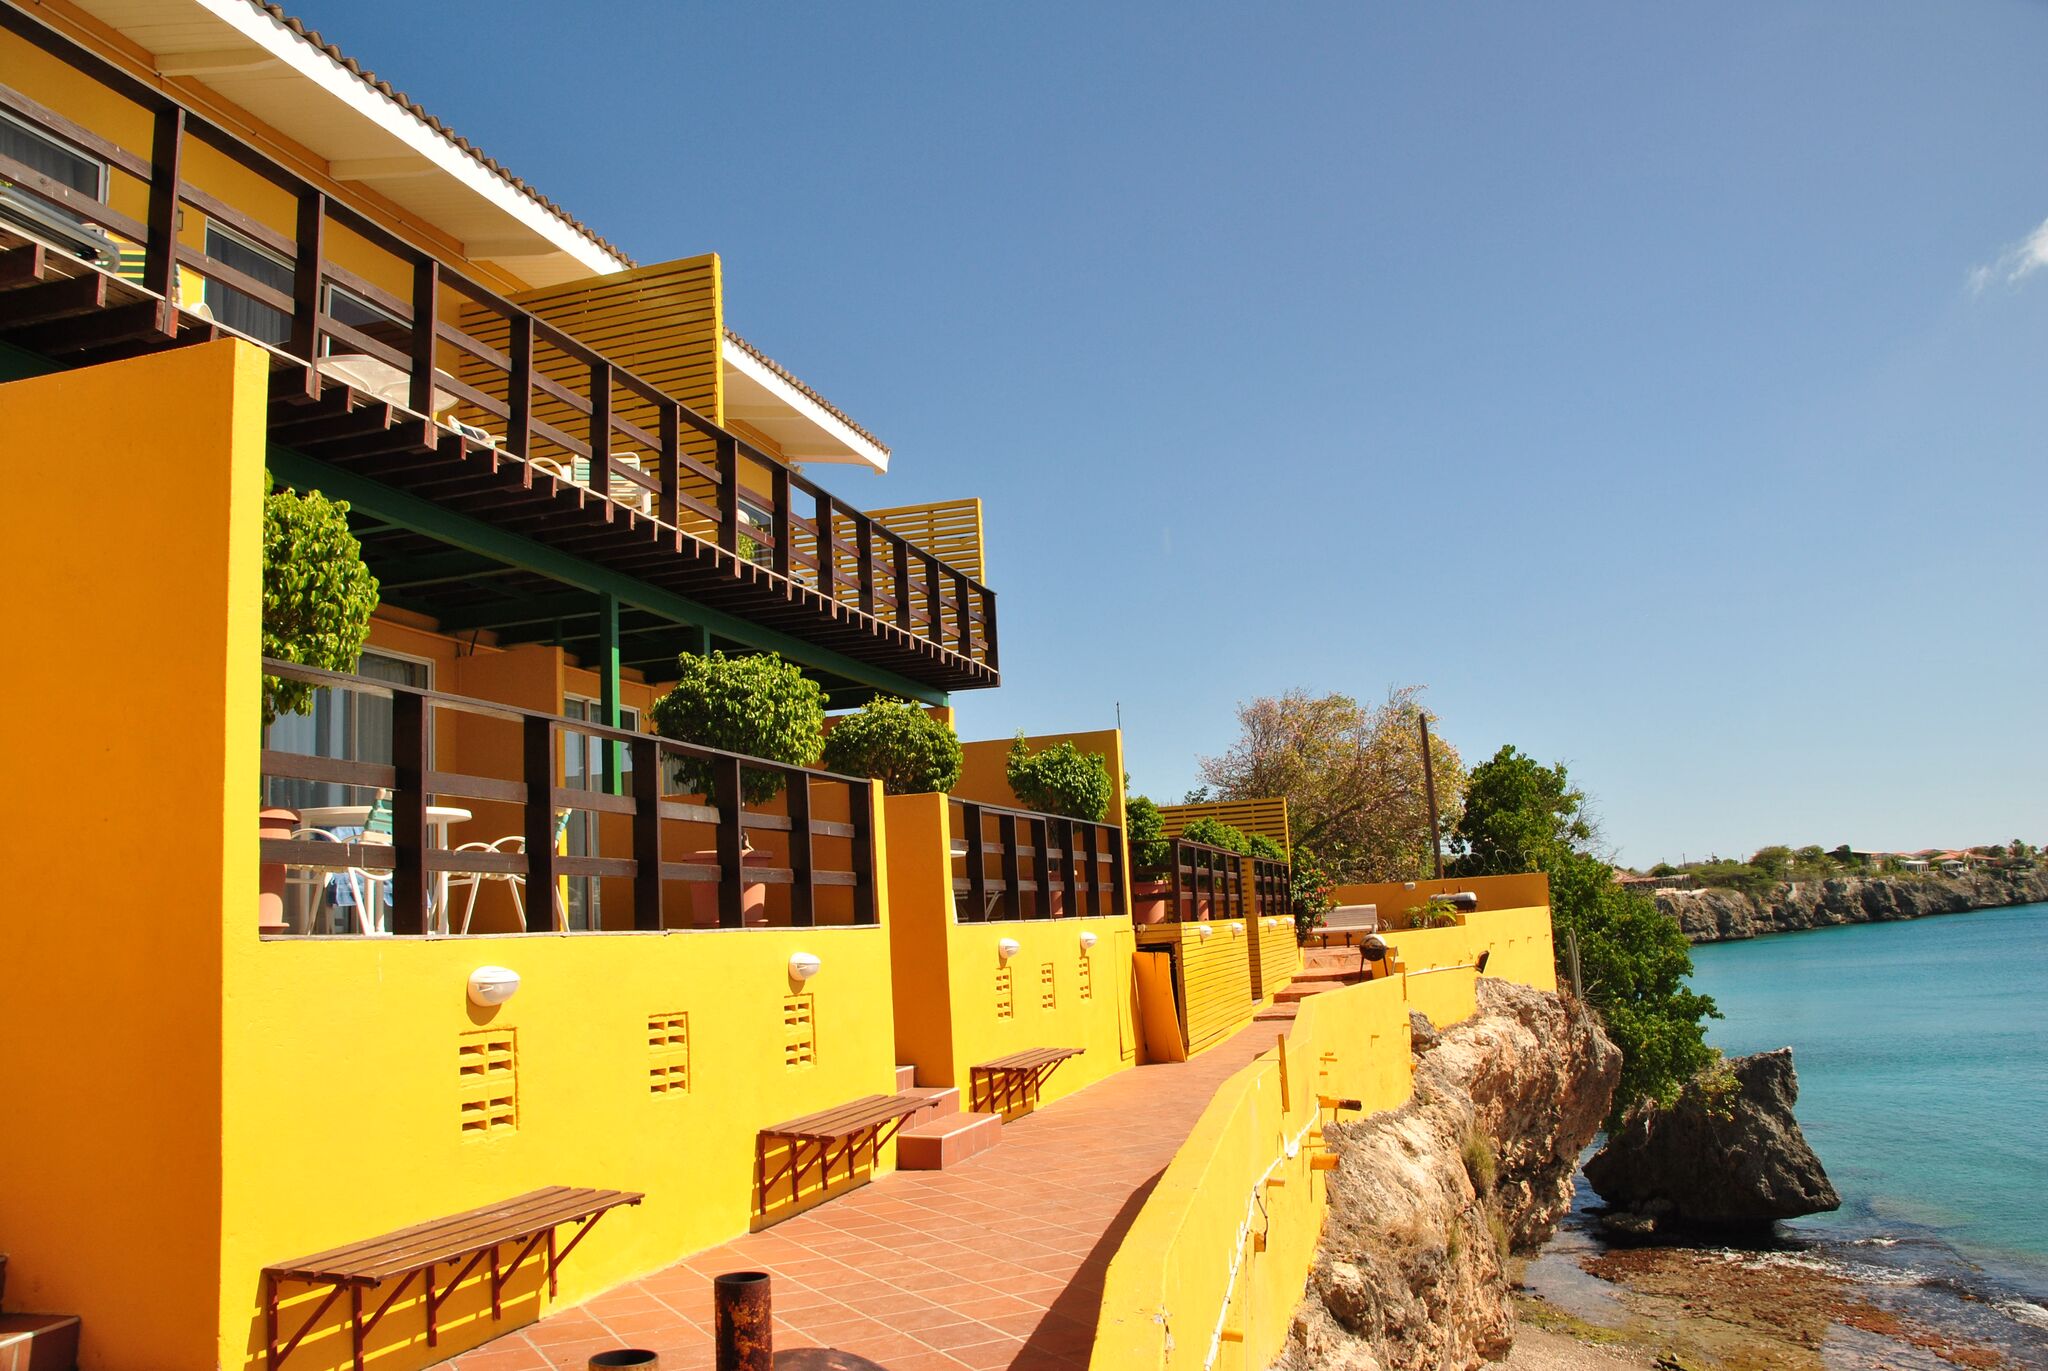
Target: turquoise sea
{"type": "Point", "coordinates": [1922, 1052]}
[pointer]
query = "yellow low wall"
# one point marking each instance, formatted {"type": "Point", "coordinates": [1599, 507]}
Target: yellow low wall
{"type": "Point", "coordinates": [959, 1002]}
{"type": "Point", "coordinates": [1212, 1269]}
{"type": "Point", "coordinates": [1214, 976]}
{"type": "Point", "coordinates": [1276, 955]}
{"type": "Point", "coordinates": [1522, 890]}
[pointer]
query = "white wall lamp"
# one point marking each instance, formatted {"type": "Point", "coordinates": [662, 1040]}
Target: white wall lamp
{"type": "Point", "coordinates": [1087, 940]}
{"type": "Point", "coordinates": [1008, 948]}
{"type": "Point", "coordinates": [1204, 930]}
{"type": "Point", "coordinates": [1236, 928]}
{"type": "Point", "coordinates": [803, 965]}
{"type": "Point", "coordinates": [490, 986]}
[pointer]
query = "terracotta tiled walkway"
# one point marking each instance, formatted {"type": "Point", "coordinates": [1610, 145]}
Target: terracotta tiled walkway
{"type": "Point", "coordinates": [995, 1263]}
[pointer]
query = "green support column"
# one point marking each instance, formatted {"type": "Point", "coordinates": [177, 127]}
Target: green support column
{"type": "Point", "coordinates": [608, 688]}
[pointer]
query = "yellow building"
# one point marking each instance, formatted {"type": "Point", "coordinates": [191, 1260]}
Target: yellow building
{"type": "Point", "coordinates": [597, 999]}
{"type": "Point", "coordinates": [225, 253]}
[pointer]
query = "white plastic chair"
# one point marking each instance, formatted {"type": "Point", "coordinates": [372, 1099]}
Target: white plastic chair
{"type": "Point", "coordinates": [313, 880]}
{"type": "Point", "coordinates": [624, 490]}
{"type": "Point", "coordinates": [515, 842]}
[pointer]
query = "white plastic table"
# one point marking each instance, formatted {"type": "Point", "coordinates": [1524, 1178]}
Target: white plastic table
{"type": "Point", "coordinates": [439, 817]}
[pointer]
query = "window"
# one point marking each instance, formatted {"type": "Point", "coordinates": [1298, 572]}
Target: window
{"type": "Point", "coordinates": [238, 309]}
{"type": "Point", "coordinates": [345, 724]}
{"type": "Point", "coordinates": [354, 311]}
{"type": "Point", "coordinates": [583, 766]}
{"type": "Point", "coordinates": [59, 161]}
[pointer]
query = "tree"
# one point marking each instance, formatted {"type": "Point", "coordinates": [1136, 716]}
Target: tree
{"type": "Point", "coordinates": [1518, 816]}
{"type": "Point", "coordinates": [1522, 816]}
{"type": "Point", "coordinates": [1774, 861]}
{"type": "Point", "coordinates": [759, 705]}
{"type": "Point", "coordinates": [1060, 779]}
{"type": "Point", "coordinates": [317, 593]}
{"type": "Point", "coordinates": [1351, 775]}
{"type": "Point", "coordinates": [896, 743]}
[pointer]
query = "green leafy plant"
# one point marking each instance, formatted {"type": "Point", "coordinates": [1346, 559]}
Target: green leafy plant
{"type": "Point", "coordinates": [317, 593]}
{"type": "Point", "coordinates": [1481, 1164]}
{"type": "Point", "coordinates": [1060, 779]}
{"type": "Point", "coordinates": [760, 706]}
{"type": "Point", "coordinates": [1522, 816]}
{"type": "Point", "coordinates": [1430, 916]}
{"type": "Point", "coordinates": [898, 744]}
{"type": "Point", "coordinates": [1259, 845]}
{"type": "Point", "coordinates": [1311, 892]}
{"type": "Point", "coordinates": [1216, 833]}
{"type": "Point", "coordinates": [1145, 828]}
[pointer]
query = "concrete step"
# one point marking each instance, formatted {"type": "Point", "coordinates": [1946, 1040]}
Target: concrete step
{"type": "Point", "coordinates": [906, 1078]}
{"type": "Point", "coordinates": [1299, 990]}
{"type": "Point", "coordinates": [38, 1342]}
{"type": "Point", "coordinates": [935, 1144]}
{"type": "Point", "coordinates": [944, 1103]}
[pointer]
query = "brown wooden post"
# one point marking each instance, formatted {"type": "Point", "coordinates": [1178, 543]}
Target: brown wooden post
{"type": "Point", "coordinates": [988, 629]}
{"type": "Point", "coordinates": [166, 191]}
{"type": "Point", "coordinates": [1013, 898]}
{"type": "Point", "coordinates": [519, 400]}
{"type": "Point", "coordinates": [672, 463]}
{"type": "Point", "coordinates": [1041, 865]}
{"type": "Point", "coordinates": [647, 760]}
{"type": "Point", "coordinates": [778, 515]}
{"type": "Point", "coordinates": [306, 263]}
{"type": "Point", "coordinates": [934, 601]}
{"type": "Point", "coordinates": [802, 906]}
{"type": "Point", "coordinates": [537, 747]}
{"type": "Point", "coordinates": [864, 560]}
{"type": "Point", "coordinates": [726, 797]}
{"type": "Point", "coordinates": [1069, 841]}
{"type": "Point", "coordinates": [977, 866]}
{"type": "Point", "coordinates": [1436, 837]}
{"type": "Point", "coordinates": [906, 611]}
{"type": "Point", "coordinates": [728, 492]}
{"type": "Point", "coordinates": [963, 622]}
{"type": "Point", "coordinates": [601, 427]}
{"type": "Point", "coordinates": [426, 330]}
{"type": "Point", "coordinates": [409, 812]}
{"type": "Point", "coordinates": [861, 805]}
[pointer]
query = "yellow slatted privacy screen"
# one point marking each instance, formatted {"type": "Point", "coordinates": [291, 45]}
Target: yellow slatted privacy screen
{"type": "Point", "coordinates": [948, 529]}
{"type": "Point", "coordinates": [1247, 816]}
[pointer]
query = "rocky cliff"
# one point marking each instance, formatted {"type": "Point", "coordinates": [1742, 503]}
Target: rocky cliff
{"type": "Point", "coordinates": [1427, 1200]}
{"type": "Point", "coordinates": [1709, 916]}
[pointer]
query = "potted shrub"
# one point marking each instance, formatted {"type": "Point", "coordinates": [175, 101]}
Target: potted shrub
{"type": "Point", "coordinates": [897, 743]}
{"type": "Point", "coordinates": [1145, 829]}
{"type": "Point", "coordinates": [1061, 780]}
{"type": "Point", "coordinates": [760, 706]}
{"type": "Point", "coordinates": [317, 600]}
{"type": "Point", "coordinates": [1311, 891]}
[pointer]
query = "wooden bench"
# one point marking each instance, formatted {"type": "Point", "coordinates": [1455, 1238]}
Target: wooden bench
{"type": "Point", "coordinates": [1016, 1077]}
{"type": "Point", "coordinates": [468, 1238]}
{"type": "Point", "coordinates": [837, 1132]}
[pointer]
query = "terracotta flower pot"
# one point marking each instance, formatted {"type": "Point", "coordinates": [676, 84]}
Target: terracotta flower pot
{"type": "Point", "coordinates": [273, 823]}
{"type": "Point", "coordinates": [753, 894]}
{"type": "Point", "coordinates": [1150, 901]}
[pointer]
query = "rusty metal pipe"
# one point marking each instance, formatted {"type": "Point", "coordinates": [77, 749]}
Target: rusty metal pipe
{"type": "Point", "coordinates": [745, 1321]}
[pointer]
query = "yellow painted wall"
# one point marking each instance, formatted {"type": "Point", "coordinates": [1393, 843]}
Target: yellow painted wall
{"type": "Point", "coordinates": [951, 1009]}
{"type": "Point", "coordinates": [1521, 891]}
{"type": "Point", "coordinates": [373, 1140]}
{"type": "Point", "coordinates": [112, 939]}
{"type": "Point", "coordinates": [1276, 954]}
{"type": "Point", "coordinates": [1190, 1266]}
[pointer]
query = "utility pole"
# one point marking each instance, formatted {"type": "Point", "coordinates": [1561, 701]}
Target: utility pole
{"type": "Point", "coordinates": [1436, 837]}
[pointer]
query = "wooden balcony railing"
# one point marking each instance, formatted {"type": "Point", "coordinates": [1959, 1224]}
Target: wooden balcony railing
{"type": "Point", "coordinates": [663, 825]}
{"type": "Point", "coordinates": [1016, 864]}
{"type": "Point", "coordinates": [1209, 883]}
{"type": "Point", "coordinates": [451, 350]}
{"type": "Point", "coordinates": [1272, 888]}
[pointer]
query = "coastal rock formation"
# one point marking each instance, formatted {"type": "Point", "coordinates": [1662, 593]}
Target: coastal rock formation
{"type": "Point", "coordinates": [1428, 1199]}
{"type": "Point", "coordinates": [1727, 1153]}
{"type": "Point", "coordinates": [1715, 915]}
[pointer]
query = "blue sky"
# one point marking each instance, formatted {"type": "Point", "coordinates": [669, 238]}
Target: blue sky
{"type": "Point", "coordinates": [1664, 389]}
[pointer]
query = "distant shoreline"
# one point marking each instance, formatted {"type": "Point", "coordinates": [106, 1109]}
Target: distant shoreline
{"type": "Point", "coordinates": [1721, 915]}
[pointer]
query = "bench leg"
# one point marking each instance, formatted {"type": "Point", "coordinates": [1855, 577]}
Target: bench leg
{"type": "Point", "coordinates": [270, 1357]}
{"type": "Point", "coordinates": [356, 1331]}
